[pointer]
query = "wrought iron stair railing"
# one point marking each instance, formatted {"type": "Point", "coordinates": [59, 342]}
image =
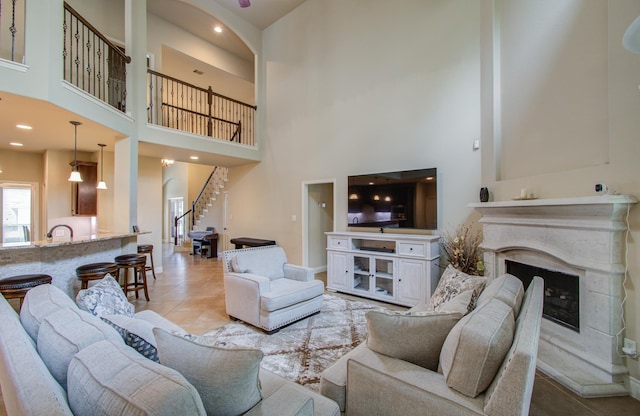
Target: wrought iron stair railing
{"type": "Point", "coordinates": [205, 199]}
{"type": "Point", "coordinates": [12, 33]}
{"type": "Point", "coordinates": [183, 106]}
{"type": "Point", "coordinates": [92, 62]}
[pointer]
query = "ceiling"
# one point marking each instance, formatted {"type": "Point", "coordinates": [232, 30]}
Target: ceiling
{"type": "Point", "coordinates": [51, 128]}
{"type": "Point", "coordinates": [262, 13]}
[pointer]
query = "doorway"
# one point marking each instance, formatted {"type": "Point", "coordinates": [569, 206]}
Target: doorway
{"type": "Point", "coordinates": [318, 201]}
{"type": "Point", "coordinates": [176, 210]}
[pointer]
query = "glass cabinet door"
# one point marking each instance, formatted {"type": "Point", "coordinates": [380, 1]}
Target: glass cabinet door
{"type": "Point", "coordinates": [361, 273]}
{"type": "Point", "coordinates": [384, 277]}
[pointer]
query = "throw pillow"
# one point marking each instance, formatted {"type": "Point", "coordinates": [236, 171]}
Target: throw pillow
{"type": "Point", "coordinates": [136, 333]}
{"type": "Point", "coordinates": [413, 338]}
{"type": "Point", "coordinates": [111, 379]}
{"type": "Point", "coordinates": [452, 283]}
{"type": "Point", "coordinates": [460, 304]}
{"type": "Point", "coordinates": [476, 346]}
{"type": "Point", "coordinates": [226, 379]}
{"type": "Point", "coordinates": [105, 298]}
{"type": "Point", "coordinates": [64, 333]}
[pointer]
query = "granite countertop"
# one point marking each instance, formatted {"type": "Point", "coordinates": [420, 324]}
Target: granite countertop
{"type": "Point", "coordinates": [62, 241]}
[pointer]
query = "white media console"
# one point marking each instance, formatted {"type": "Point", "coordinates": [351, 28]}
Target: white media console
{"type": "Point", "coordinates": [395, 268]}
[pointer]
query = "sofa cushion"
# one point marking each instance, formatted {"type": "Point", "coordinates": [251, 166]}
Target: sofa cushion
{"type": "Point", "coordinates": [105, 298]}
{"type": "Point", "coordinates": [287, 400]}
{"type": "Point", "coordinates": [476, 346]}
{"type": "Point", "coordinates": [111, 379]}
{"type": "Point", "coordinates": [507, 288]}
{"type": "Point", "coordinates": [413, 338]}
{"type": "Point", "coordinates": [64, 333]}
{"type": "Point", "coordinates": [226, 379]}
{"type": "Point", "coordinates": [40, 302]}
{"type": "Point", "coordinates": [287, 292]}
{"type": "Point", "coordinates": [267, 262]}
{"type": "Point", "coordinates": [454, 282]}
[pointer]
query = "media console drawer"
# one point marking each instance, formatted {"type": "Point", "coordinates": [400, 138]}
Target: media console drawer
{"type": "Point", "coordinates": [335, 242]}
{"type": "Point", "coordinates": [411, 249]}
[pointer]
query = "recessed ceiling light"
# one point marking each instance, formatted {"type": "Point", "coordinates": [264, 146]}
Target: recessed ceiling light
{"type": "Point", "coordinates": [197, 71]}
{"type": "Point", "coordinates": [217, 29]}
{"type": "Point", "coordinates": [194, 158]}
{"type": "Point", "coordinates": [16, 144]}
{"type": "Point", "coordinates": [23, 127]}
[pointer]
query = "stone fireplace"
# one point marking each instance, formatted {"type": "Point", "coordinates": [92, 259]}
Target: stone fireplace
{"type": "Point", "coordinates": [580, 243]}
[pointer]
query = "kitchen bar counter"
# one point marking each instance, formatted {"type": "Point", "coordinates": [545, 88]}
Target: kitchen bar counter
{"type": "Point", "coordinates": [60, 256]}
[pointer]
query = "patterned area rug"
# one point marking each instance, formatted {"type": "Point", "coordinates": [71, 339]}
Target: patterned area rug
{"type": "Point", "coordinates": [302, 350]}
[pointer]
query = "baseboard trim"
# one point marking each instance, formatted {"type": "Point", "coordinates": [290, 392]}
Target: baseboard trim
{"type": "Point", "coordinates": [633, 385]}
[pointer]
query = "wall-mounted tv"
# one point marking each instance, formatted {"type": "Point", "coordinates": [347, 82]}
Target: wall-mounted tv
{"type": "Point", "coordinates": [404, 199]}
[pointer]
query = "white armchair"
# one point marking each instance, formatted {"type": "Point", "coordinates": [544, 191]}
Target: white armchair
{"type": "Point", "coordinates": [263, 290]}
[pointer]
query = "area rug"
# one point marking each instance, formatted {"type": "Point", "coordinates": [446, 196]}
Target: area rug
{"type": "Point", "coordinates": [302, 350]}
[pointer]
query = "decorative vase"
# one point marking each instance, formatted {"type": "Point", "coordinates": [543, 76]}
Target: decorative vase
{"type": "Point", "coordinates": [484, 194]}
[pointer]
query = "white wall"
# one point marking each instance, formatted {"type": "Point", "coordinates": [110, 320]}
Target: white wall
{"type": "Point", "coordinates": [570, 94]}
{"type": "Point", "coordinates": [150, 205]}
{"type": "Point", "coordinates": [353, 89]}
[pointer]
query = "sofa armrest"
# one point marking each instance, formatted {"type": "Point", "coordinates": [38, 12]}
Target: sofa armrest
{"type": "Point", "coordinates": [285, 401]}
{"type": "Point", "coordinates": [242, 295]}
{"type": "Point", "coordinates": [301, 273]}
{"type": "Point", "coordinates": [377, 384]}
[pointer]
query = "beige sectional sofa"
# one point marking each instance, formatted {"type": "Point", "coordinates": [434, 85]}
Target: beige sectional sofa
{"type": "Point", "coordinates": [56, 359]}
{"type": "Point", "coordinates": [484, 365]}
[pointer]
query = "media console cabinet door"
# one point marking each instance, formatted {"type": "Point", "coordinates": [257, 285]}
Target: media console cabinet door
{"type": "Point", "coordinates": [84, 194]}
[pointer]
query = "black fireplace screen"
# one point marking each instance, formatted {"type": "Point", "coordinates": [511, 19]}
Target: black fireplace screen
{"type": "Point", "coordinates": [561, 292]}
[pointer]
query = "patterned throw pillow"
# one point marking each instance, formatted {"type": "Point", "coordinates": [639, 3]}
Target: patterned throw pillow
{"type": "Point", "coordinates": [454, 282]}
{"type": "Point", "coordinates": [136, 333]}
{"type": "Point", "coordinates": [105, 298]}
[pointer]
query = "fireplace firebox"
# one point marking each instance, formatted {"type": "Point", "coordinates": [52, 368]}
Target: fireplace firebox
{"type": "Point", "coordinates": [561, 292]}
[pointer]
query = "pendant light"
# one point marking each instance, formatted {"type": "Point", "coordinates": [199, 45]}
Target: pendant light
{"type": "Point", "coordinates": [75, 175]}
{"type": "Point", "coordinates": [101, 184]}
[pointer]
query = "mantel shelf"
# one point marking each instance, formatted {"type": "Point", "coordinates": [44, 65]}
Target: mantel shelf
{"type": "Point", "coordinates": [585, 200]}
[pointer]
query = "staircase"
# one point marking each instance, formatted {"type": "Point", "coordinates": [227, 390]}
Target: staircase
{"type": "Point", "coordinates": [207, 196]}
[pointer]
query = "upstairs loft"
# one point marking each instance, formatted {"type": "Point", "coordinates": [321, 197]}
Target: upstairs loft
{"type": "Point", "coordinates": [68, 70]}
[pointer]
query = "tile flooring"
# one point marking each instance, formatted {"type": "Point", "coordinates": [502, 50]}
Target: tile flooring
{"type": "Point", "coordinates": [190, 293]}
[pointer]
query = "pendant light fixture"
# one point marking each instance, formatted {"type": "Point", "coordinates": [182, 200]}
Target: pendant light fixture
{"type": "Point", "coordinates": [101, 184]}
{"type": "Point", "coordinates": [75, 175]}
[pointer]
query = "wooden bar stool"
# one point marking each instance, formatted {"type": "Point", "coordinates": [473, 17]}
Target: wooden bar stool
{"type": "Point", "coordinates": [17, 286]}
{"type": "Point", "coordinates": [136, 263]}
{"type": "Point", "coordinates": [95, 271]}
{"type": "Point", "coordinates": [148, 249]}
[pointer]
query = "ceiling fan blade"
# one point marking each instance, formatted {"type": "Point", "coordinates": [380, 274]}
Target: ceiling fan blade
{"type": "Point", "coordinates": [244, 3]}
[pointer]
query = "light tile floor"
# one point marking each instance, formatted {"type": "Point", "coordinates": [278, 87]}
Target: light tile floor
{"type": "Point", "coordinates": [190, 292]}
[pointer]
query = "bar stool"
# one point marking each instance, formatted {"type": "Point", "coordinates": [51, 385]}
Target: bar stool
{"type": "Point", "coordinates": [148, 249]}
{"type": "Point", "coordinates": [95, 271]}
{"type": "Point", "coordinates": [17, 286]}
{"type": "Point", "coordinates": [137, 263]}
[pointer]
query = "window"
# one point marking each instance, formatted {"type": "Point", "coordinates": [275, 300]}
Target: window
{"type": "Point", "coordinates": [17, 212]}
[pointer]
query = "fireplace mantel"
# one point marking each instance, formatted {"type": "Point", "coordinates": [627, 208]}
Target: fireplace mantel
{"type": "Point", "coordinates": [583, 236]}
{"type": "Point", "coordinates": [602, 205]}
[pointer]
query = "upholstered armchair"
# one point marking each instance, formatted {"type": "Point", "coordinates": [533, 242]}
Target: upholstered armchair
{"type": "Point", "coordinates": [263, 290]}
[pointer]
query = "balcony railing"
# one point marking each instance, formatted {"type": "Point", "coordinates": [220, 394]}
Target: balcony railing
{"type": "Point", "coordinates": [179, 105]}
{"type": "Point", "coordinates": [92, 62]}
{"type": "Point", "coordinates": [12, 25]}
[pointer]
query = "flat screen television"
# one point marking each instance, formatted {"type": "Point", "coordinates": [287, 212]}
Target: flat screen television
{"type": "Point", "coordinates": [405, 199]}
